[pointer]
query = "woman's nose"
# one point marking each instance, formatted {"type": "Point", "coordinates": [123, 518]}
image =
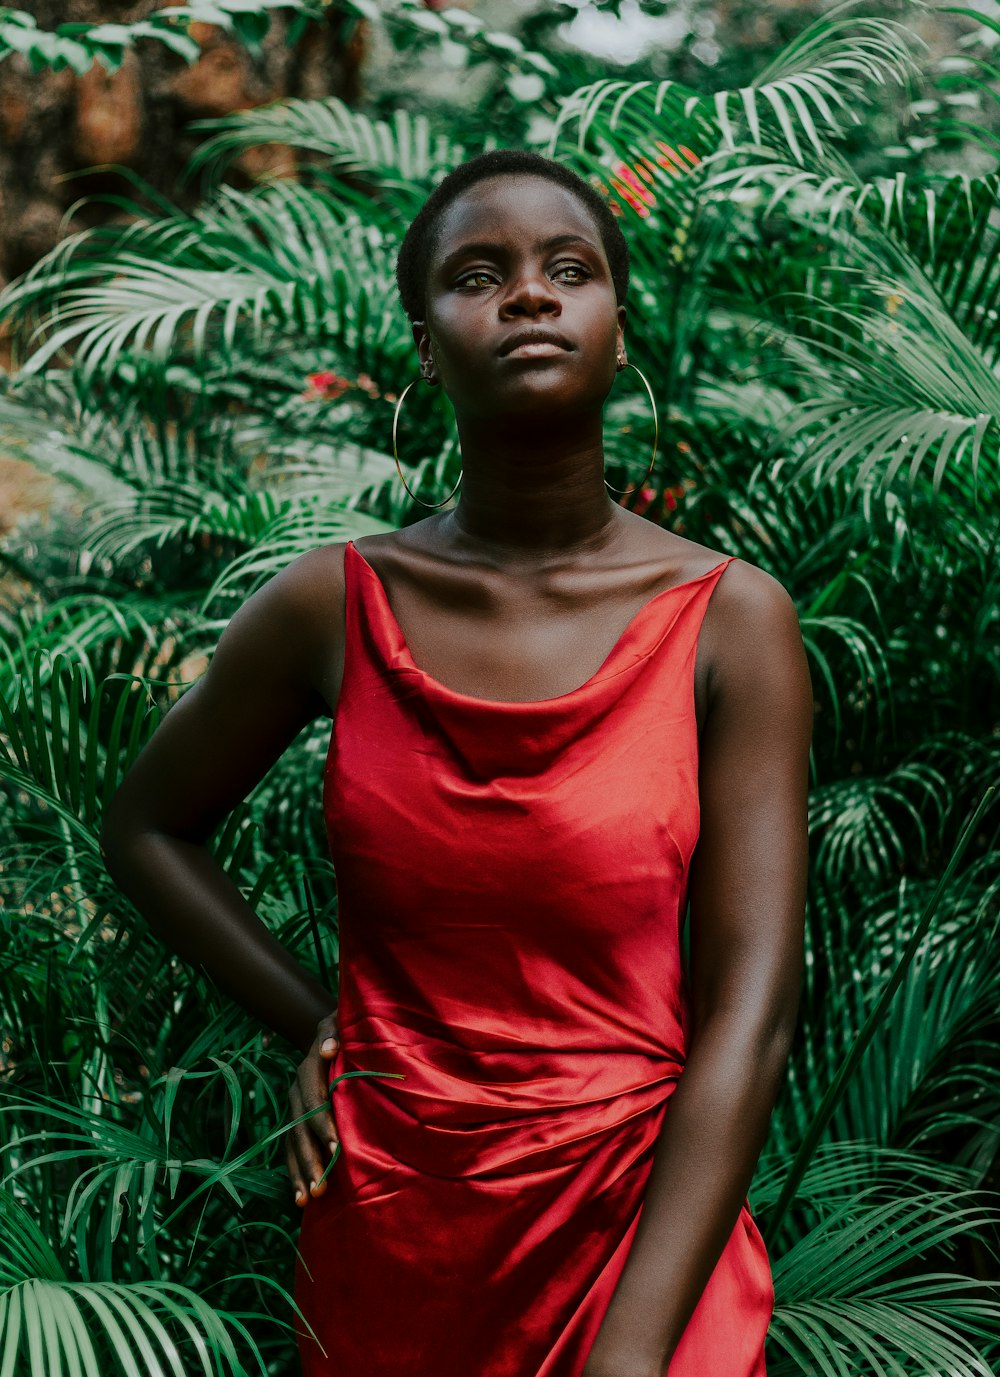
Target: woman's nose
{"type": "Point", "coordinates": [529, 293]}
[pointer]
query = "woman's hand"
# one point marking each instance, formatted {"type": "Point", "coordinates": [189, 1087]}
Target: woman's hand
{"type": "Point", "coordinates": [303, 1151]}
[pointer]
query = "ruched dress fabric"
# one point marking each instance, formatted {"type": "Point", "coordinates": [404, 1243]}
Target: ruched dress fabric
{"type": "Point", "coordinates": [512, 878]}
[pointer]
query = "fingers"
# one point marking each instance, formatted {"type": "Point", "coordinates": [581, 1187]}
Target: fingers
{"type": "Point", "coordinates": [295, 1172]}
{"type": "Point", "coordinates": [328, 1035]}
{"type": "Point", "coordinates": [313, 1081]}
{"type": "Point", "coordinates": [311, 1147]}
{"type": "Point", "coordinates": [304, 1155]}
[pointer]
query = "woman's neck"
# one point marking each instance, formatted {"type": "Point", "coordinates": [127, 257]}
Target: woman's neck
{"type": "Point", "coordinates": [543, 495]}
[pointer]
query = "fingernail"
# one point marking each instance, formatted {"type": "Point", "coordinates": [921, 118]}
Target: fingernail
{"type": "Point", "coordinates": [300, 1197]}
{"type": "Point", "coordinates": [329, 1044]}
{"type": "Point", "coordinates": [315, 1187]}
{"type": "Point", "coordinates": [334, 1145]}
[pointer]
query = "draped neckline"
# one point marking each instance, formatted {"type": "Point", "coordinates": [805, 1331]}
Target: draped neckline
{"type": "Point", "coordinates": [632, 627]}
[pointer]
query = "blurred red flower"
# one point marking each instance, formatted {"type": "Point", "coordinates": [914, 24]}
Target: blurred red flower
{"type": "Point", "coordinates": [327, 384]}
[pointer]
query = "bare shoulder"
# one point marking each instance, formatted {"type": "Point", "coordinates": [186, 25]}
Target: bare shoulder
{"type": "Point", "coordinates": [290, 631]}
{"type": "Point", "coordinates": [299, 607]}
{"type": "Point", "coordinates": [311, 584]}
{"type": "Point", "coordinates": [752, 598]}
{"type": "Point", "coordinates": [751, 642]}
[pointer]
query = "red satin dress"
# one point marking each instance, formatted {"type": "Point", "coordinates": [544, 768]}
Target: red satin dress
{"type": "Point", "coordinates": [511, 882]}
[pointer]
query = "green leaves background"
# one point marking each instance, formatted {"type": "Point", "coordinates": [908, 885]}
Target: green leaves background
{"type": "Point", "coordinates": [822, 341]}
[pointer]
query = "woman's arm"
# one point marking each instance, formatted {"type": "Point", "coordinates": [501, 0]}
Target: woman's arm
{"type": "Point", "coordinates": [747, 895]}
{"type": "Point", "coordinates": [274, 670]}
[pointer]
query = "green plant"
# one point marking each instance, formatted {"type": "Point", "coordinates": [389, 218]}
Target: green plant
{"type": "Point", "coordinates": [219, 387]}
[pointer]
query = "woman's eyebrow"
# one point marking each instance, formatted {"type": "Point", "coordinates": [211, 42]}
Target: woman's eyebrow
{"type": "Point", "coordinates": [487, 246]}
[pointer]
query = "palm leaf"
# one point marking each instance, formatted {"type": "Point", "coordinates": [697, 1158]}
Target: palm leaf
{"type": "Point", "coordinates": [840, 1082]}
{"type": "Point", "coordinates": [56, 747]}
{"type": "Point", "coordinates": [289, 262]}
{"type": "Point", "coordinates": [403, 153]}
{"type": "Point", "coordinates": [289, 535]}
{"type": "Point", "coordinates": [827, 72]}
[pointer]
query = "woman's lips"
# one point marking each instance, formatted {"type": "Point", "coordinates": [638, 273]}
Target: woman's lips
{"type": "Point", "coordinates": [535, 349]}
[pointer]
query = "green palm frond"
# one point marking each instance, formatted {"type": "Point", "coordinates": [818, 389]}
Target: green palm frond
{"type": "Point", "coordinates": [837, 1305]}
{"type": "Point", "coordinates": [928, 1327]}
{"type": "Point", "coordinates": [930, 1059]}
{"type": "Point", "coordinates": [404, 154]}
{"type": "Point", "coordinates": [301, 488]}
{"type": "Point", "coordinates": [849, 1293]}
{"type": "Point", "coordinates": [935, 398]}
{"type": "Point", "coordinates": [833, 66]}
{"type": "Point", "coordinates": [290, 262]}
{"type": "Point", "coordinates": [285, 802]}
{"type": "Point", "coordinates": [151, 302]}
{"type": "Point", "coordinates": [869, 680]}
{"type": "Point", "coordinates": [893, 350]}
{"type": "Point", "coordinates": [100, 635]}
{"type": "Point", "coordinates": [931, 1070]}
{"type": "Point", "coordinates": [821, 340]}
{"type": "Point", "coordinates": [868, 825]}
{"type": "Point", "coordinates": [289, 535]}
{"type": "Point", "coordinates": [947, 224]}
{"type": "Point", "coordinates": [928, 1220]}
{"type": "Point", "coordinates": [138, 1329]}
{"type": "Point", "coordinates": [820, 80]}
{"type": "Point", "coordinates": [875, 1017]}
{"type": "Point", "coordinates": [298, 233]}
{"type": "Point", "coordinates": [67, 749]}
{"type": "Point", "coordinates": [839, 1170]}
{"type": "Point", "coordinates": [181, 512]}
{"type": "Point", "coordinates": [942, 222]}
{"type": "Point", "coordinates": [51, 747]}
{"type": "Point", "coordinates": [45, 428]}
{"type": "Point", "coordinates": [311, 471]}
{"type": "Point", "coordinates": [806, 535]}
{"type": "Point", "coordinates": [117, 1171]}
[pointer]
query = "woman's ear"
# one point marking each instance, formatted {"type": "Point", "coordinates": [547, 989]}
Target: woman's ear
{"type": "Point", "coordinates": [423, 342]}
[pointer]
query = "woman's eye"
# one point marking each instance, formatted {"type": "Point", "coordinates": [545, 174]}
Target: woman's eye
{"type": "Point", "coordinates": [483, 277]}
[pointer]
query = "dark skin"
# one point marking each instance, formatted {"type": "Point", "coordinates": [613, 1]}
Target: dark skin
{"type": "Point", "coordinates": [519, 593]}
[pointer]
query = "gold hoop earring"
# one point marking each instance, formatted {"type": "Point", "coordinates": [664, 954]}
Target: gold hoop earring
{"type": "Point", "coordinates": [395, 454]}
{"type": "Point", "coordinates": [624, 492]}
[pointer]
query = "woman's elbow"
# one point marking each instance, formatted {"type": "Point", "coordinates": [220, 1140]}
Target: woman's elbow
{"type": "Point", "coordinates": [121, 826]}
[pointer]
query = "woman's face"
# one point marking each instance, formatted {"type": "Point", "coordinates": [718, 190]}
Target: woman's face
{"type": "Point", "coordinates": [519, 255]}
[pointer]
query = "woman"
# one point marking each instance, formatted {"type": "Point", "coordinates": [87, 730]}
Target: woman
{"type": "Point", "coordinates": [540, 703]}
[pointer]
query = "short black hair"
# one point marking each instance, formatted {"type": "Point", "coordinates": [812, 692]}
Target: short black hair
{"type": "Point", "coordinates": [418, 242]}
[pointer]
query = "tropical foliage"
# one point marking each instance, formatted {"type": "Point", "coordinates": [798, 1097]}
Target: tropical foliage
{"type": "Point", "coordinates": [218, 388]}
{"type": "Point", "coordinates": [79, 45]}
